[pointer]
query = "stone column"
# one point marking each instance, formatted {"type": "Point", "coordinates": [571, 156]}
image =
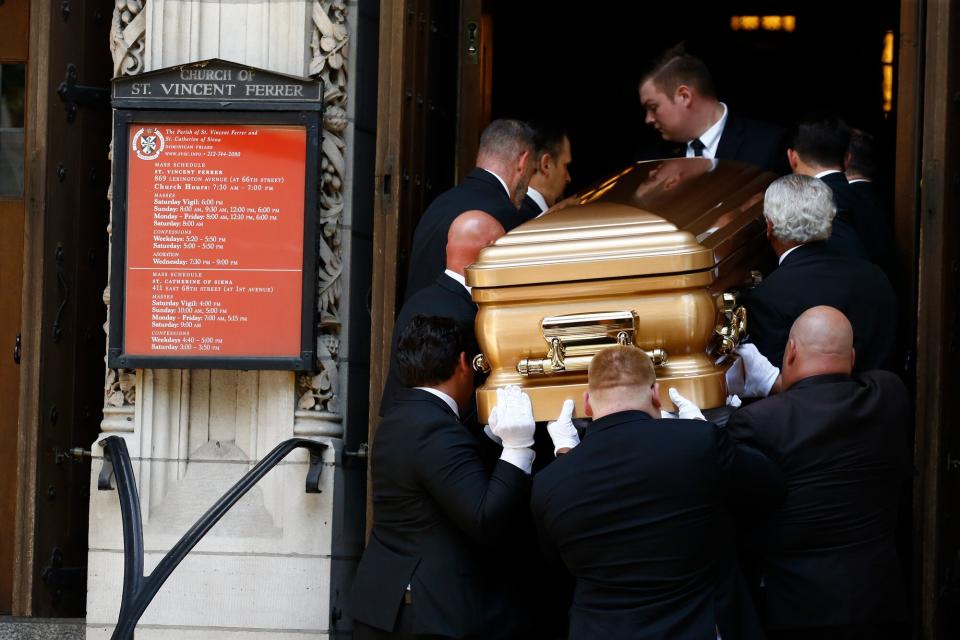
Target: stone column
{"type": "Point", "coordinates": [265, 569]}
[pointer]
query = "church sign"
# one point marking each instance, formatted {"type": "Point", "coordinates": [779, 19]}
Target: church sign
{"type": "Point", "coordinates": [215, 218]}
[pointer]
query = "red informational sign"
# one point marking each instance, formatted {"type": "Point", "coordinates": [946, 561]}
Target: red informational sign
{"type": "Point", "coordinates": [214, 240]}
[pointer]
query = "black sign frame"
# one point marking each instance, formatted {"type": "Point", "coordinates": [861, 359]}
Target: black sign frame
{"type": "Point", "coordinates": [215, 112]}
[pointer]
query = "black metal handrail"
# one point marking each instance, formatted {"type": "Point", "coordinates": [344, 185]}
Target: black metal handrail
{"type": "Point", "coordinates": [138, 589]}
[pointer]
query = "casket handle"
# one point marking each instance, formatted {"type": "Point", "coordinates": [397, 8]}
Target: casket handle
{"type": "Point", "coordinates": [732, 326]}
{"type": "Point", "coordinates": [572, 341]}
{"type": "Point", "coordinates": [480, 363]}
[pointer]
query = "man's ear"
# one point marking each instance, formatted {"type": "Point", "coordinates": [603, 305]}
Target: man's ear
{"type": "Point", "coordinates": [587, 409]}
{"type": "Point", "coordinates": [846, 160]}
{"type": "Point", "coordinates": [683, 95]}
{"type": "Point", "coordinates": [544, 166]}
{"type": "Point", "coordinates": [790, 355]}
{"type": "Point", "coordinates": [794, 159]}
{"type": "Point", "coordinates": [769, 227]}
{"type": "Point", "coordinates": [853, 358]}
{"type": "Point", "coordinates": [522, 162]}
{"type": "Point", "coordinates": [464, 364]}
{"type": "Point", "coordinates": [655, 396]}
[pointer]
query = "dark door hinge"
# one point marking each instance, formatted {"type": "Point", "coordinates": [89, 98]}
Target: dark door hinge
{"type": "Point", "coordinates": [76, 95]}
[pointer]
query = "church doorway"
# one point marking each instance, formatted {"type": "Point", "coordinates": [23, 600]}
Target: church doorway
{"type": "Point", "coordinates": [888, 67]}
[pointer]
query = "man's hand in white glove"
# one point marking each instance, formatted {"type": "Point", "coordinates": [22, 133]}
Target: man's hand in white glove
{"type": "Point", "coordinates": [511, 420]}
{"type": "Point", "coordinates": [759, 376]}
{"type": "Point", "coordinates": [687, 409]}
{"type": "Point", "coordinates": [562, 431]}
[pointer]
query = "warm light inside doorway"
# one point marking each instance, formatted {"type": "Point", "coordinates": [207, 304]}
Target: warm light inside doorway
{"type": "Point", "coordinates": [887, 59]}
{"type": "Point", "coordinates": [765, 23]}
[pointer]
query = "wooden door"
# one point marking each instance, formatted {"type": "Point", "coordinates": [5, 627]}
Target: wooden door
{"type": "Point", "coordinates": [65, 262]}
{"type": "Point", "coordinates": [415, 157]}
{"type": "Point", "coordinates": [14, 27]}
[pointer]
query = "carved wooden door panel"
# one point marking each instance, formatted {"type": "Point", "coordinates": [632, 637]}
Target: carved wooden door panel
{"type": "Point", "coordinates": [416, 137]}
{"type": "Point", "coordinates": [72, 342]}
{"type": "Point", "coordinates": [14, 27]}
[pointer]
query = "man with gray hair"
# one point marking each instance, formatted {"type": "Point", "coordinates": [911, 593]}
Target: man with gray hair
{"type": "Point", "coordinates": [495, 186]}
{"type": "Point", "coordinates": [799, 212]}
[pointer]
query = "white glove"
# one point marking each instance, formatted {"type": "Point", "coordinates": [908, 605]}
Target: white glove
{"type": "Point", "coordinates": [488, 432]}
{"type": "Point", "coordinates": [734, 401]}
{"type": "Point", "coordinates": [688, 410]}
{"type": "Point", "coordinates": [511, 420]}
{"type": "Point", "coordinates": [562, 431]}
{"type": "Point", "coordinates": [759, 375]}
{"type": "Point", "coordinates": [736, 378]}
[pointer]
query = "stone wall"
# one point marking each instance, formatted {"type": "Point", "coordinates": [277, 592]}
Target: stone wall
{"type": "Point", "coordinates": [266, 568]}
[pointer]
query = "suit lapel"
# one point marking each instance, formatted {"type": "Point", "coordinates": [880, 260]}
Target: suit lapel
{"type": "Point", "coordinates": [490, 180]}
{"type": "Point", "coordinates": [730, 139]}
{"type": "Point", "coordinates": [454, 287]}
{"type": "Point", "coordinates": [419, 395]}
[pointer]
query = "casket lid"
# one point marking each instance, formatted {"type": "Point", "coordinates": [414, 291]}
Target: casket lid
{"type": "Point", "coordinates": [653, 218]}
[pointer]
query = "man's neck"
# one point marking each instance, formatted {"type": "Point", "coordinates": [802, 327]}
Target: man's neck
{"type": "Point", "coordinates": [498, 173]}
{"type": "Point", "coordinates": [803, 371]}
{"type": "Point", "coordinates": [537, 196]}
{"type": "Point", "coordinates": [815, 170]}
{"type": "Point", "coordinates": [709, 115]}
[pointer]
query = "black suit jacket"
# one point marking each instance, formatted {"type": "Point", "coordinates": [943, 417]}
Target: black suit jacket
{"type": "Point", "coordinates": [446, 298]}
{"type": "Point", "coordinates": [759, 143]}
{"type": "Point", "coordinates": [428, 255]}
{"type": "Point", "coordinates": [438, 517]}
{"type": "Point", "coordinates": [743, 139]}
{"type": "Point", "coordinates": [813, 275]}
{"type": "Point", "coordinates": [529, 209]}
{"type": "Point", "coordinates": [865, 217]}
{"type": "Point", "coordinates": [637, 512]}
{"type": "Point", "coordinates": [827, 554]}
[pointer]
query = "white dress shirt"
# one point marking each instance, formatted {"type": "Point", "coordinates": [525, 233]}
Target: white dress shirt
{"type": "Point", "coordinates": [788, 252]}
{"type": "Point", "coordinates": [500, 180]}
{"type": "Point", "coordinates": [826, 173]}
{"type": "Point", "coordinates": [537, 197]}
{"type": "Point", "coordinates": [459, 278]}
{"type": "Point", "coordinates": [711, 137]}
{"type": "Point", "coordinates": [440, 394]}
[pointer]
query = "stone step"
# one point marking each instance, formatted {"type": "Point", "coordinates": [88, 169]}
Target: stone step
{"type": "Point", "coordinates": [41, 628]}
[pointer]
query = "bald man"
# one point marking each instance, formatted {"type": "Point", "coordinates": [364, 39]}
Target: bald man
{"type": "Point", "coordinates": [827, 560]}
{"type": "Point", "coordinates": [639, 513]}
{"type": "Point", "coordinates": [448, 296]}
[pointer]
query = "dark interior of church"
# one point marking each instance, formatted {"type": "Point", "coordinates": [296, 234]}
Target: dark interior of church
{"type": "Point", "coordinates": [580, 63]}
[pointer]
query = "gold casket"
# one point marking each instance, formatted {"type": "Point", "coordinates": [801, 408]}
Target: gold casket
{"type": "Point", "coordinates": [648, 257]}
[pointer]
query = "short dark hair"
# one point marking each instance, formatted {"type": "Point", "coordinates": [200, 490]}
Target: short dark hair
{"type": "Point", "coordinates": [548, 138]}
{"type": "Point", "coordinates": [506, 138]}
{"type": "Point", "coordinates": [863, 153]}
{"type": "Point", "coordinates": [676, 67]}
{"type": "Point", "coordinates": [822, 139]}
{"type": "Point", "coordinates": [428, 350]}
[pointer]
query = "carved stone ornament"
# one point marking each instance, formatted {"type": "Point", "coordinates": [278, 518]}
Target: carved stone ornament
{"type": "Point", "coordinates": [127, 41]}
{"type": "Point", "coordinates": [320, 392]}
{"type": "Point", "coordinates": [127, 44]}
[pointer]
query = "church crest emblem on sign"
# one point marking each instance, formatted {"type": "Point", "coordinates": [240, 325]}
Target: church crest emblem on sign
{"type": "Point", "coordinates": [148, 143]}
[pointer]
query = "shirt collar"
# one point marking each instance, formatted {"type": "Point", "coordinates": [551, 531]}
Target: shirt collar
{"type": "Point", "coordinates": [858, 180]}
{"type": "Point", "coordinates": [711, 137]}
{"type": "Point", "coordinates": [788, 252]}
{"type": "Point", "coordinates": [500, 180]}
{"type": "Point", "coordinates": [440, 394]}
{"type": "Point", "coordinates": [537, 197]}
{"type": "Point", "coordinates": [826, 173]}
{"type": "Point", "coordinates": [459, 278]}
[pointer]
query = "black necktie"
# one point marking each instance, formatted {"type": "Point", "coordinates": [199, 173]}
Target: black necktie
{"type": "Point", "coordinates": [697, 147]}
